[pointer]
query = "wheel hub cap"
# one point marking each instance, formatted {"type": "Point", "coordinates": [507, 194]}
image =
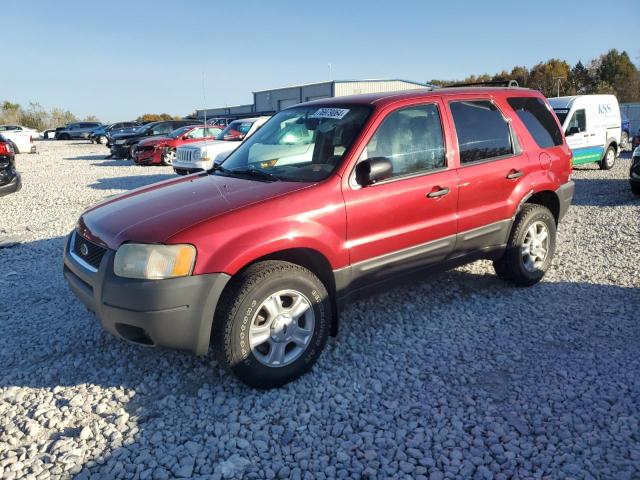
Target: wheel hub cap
{"type": "Point", "coordinates": [281, 328]}
{"type": "Point", "coordinates": [535, 246]}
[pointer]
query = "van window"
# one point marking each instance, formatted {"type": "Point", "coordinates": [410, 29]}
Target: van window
{"type": "Point", "coordinates": [538, 119]}
{"type": "Point", "coordinates": [578, 120]}
{"type": "Point", "coordinates": [482, 131]}
{"type": "Point", "coordinates": [411, 139]}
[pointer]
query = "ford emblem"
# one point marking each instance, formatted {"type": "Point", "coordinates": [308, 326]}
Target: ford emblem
{"type": "Point", "coordinates": [84, 250]}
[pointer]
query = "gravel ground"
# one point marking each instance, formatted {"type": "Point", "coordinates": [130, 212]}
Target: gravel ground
{"type": "Point", "coordinates": [458, 376]}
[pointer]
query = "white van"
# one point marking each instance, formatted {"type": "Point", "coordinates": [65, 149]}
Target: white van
{"type": "Point", "coordinates": [591, 124]}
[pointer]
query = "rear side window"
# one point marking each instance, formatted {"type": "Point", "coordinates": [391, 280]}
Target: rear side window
{"type": "Point", "coordinates": [538, 119]}
{"type": "Point", "coordinates": [482, 131]}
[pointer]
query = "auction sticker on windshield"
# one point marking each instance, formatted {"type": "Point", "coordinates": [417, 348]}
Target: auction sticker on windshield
{"type": "Point", "coordinates": [336, 113]}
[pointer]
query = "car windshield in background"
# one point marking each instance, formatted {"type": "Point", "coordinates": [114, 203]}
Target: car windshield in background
{"type": "Point", "coordinates": [235, 131]}
{"type": "Point", "coordinates": [561, 113]}
{"type": "Point", "coordinates": [179, 131]}
{"type": "Point", "coordinates": [146, 128]}
{"type": "Point", "coordinates": [302, 144]}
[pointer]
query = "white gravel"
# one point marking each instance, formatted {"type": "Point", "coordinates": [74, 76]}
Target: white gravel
{"type": "Point", "coordinates": [459, 376]}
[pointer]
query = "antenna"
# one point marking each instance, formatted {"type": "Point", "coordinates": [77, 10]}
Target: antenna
{"type": "Point", "coordinates": [329, 65]}
{"type": "Point", "coordinates": [204, 103]}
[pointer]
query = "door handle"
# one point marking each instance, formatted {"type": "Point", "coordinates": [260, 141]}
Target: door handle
{"type": "Point", "coordinates": [438, 192]}
{"type": "Point", "coordinates": [513, 174]}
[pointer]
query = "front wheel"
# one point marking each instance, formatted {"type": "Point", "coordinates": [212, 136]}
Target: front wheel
{"type": "Point", "coordinates": [530, 249]}
{"type": "Point", "coordinates": [272, 323]}
{"type": "Point", "coordinates": [168, 157]}
{"type": "Point", "coordinates": [102, 140]}
{"type": "Point", "coordinates": [609, 159]}
{"type": "Point", "coordinates": [132, 152]}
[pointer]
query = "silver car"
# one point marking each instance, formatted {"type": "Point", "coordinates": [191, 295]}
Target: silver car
{"type": "Point", "coordinates": [76, 130]}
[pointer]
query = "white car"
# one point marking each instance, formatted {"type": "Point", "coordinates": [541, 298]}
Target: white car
{"type": "Point", "coordinates": [200, 156]}
{"type": "Point", "coordinates": [20, 137]}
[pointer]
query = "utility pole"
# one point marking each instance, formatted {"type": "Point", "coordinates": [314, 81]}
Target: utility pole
{"type": "Point", "coordinates": [329, 65]}
{"type": "Point", "coordinates": [559, 81]}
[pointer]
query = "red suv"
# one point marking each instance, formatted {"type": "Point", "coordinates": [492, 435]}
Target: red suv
{"type": "Point", "coordinates": [162, 150]}
{"type": "Point", "coordinates": [258, 255]}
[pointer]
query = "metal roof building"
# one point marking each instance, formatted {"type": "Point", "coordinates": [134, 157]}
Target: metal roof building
{"type": "Point", "coordinates": [276, 99]}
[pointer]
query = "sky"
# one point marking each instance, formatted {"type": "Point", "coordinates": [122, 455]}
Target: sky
{"type": "Point", "coordinates": [119, 59]}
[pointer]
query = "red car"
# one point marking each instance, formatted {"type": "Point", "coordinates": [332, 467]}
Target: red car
{"type": "Point", "coordinates": [162, 150]}
{"type": "Point", "coordinates": [259, 255]}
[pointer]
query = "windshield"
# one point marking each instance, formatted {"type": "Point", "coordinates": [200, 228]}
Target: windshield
{"type": "Point", "coordinates": [179, 131]}
{"type": "Point", "coordinates": [236, 131]}
{"type": "Point", "coordinates": [561, 113]}
{"type": "Point", "coordinates": [303, 144]}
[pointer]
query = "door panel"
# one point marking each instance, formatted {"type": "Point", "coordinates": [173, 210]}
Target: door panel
{"type": "Point", "coordinates": [389, 226]}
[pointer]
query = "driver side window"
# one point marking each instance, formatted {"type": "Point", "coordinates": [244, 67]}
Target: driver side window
{"type": "Point", "coordinates": [411, 139]}
{"type": "Point", "coordinates": [578, 120]}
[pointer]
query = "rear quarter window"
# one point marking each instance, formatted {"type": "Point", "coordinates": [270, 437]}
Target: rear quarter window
{"type": "Point", "coordinates": [535, 115]}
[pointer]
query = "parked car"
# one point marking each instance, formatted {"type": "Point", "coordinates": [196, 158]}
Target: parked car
{"type": "Point", "coordinates": [9, 178]}
{"type": "Point", "coordinates": [636, 140]}
{"type": "Point", "coordinates": [100, 134]}
{"type": "Point", "coordinates": [634, 171]}
{"type": "Point", "coordinates": [202, 156]}
{"type": "Point", "coordinates": [21, 138]}
{"type": "Point", "coordinates": [162, 150]}
{"type": "Point", "coordinates": [77, 130]}
{"type": "Point", "coordinates": [123, 145]}
{"type": "Point", "coordinates": [19, 128]}
{"type": "Point", "coordinates": [48, 134]}
{"type": "Point", "coordinates": [592, 126]}
{"type": "Point", "coordinates": [625, 132]}
{"type": "Point", "coordinates": [260, 257]}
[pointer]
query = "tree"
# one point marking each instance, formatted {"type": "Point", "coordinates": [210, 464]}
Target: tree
{"type": "Point", "coordinates": [155, 117]}
{"type": "Point", "coordinates": [617, 71]}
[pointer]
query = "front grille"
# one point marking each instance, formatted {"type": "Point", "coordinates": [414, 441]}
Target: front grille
{"type": "Point", "coordinates": [88, 251]}
{"type": "Point", "coordinates": [186, 155]}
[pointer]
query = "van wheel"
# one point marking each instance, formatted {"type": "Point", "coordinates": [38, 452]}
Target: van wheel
{"type": "Point", "coordinates": [272, 323]}
{"type": "Point", "coordinates": [530, 249]}
{"type": "Point", "coordinates": [609, 159]}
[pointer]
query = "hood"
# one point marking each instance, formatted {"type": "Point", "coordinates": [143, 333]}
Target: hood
{"type": "Point", "coordinates": [215, 144]}
{"type": "Point", "coordinates": [155, 140]}
{"type": "Point", "coordinates": [155, 213]}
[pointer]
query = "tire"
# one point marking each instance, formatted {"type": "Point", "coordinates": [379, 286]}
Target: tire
{"type": "Point", "coordinates": [609, 159]}
{"type": "Point", "coordinates": [169, 157]}
{"type": "Point", "coordinates": [624, 142]}
{"type": "Point", "coordinates": [248, 338]}
{"type": "Point", "coordinates": [635, 188]}
{"type": "Point", "coordinates": [65, 136]}
{"type": "Point", "coordinates": [515, 265]}
{"type": "Point", "coordinates": [132, 151]}
{"type": "Point", "coordinates": [102, 140]}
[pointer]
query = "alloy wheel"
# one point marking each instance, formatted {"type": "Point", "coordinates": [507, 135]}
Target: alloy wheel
{"type": "Point", "coordinates": [535, 246]}
{"type": "Point", "coordinates": [281, 329]}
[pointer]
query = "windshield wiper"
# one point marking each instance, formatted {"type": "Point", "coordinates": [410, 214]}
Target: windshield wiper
{"type": "Point", "coordinates": [253, 172]}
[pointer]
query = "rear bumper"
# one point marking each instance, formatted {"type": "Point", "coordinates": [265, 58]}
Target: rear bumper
{"type": "Point", "coordinates": [14, 185]}
{"type": "Point", "coordinates": [565, 196]}
{"type": "Point", "coordinates": [175, 313]}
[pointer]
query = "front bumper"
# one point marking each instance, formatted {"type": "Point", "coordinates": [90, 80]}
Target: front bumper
{"type": "Point", "coordinates": [148, 157]}
{"type": "Point", "coordinates": [174, 313]}
{"type": "Point", "coordinates": [565, 195]}
{"type": "Point", "coordinates": [119, 151]}
{"type": "Point", "coordinates": [14, 185]}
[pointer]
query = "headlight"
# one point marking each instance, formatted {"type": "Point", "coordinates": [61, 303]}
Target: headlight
{"type": "Point", "coordinates": [154, 262]}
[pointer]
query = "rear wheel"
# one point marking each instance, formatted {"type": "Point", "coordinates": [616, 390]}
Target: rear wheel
{"type": "Point", "coordinates": [272, 323]}
{"type": "Point", "coordinates": [609, 159]}
{"type": "Point", "coordinates": [530, 249]}
{"type": "Point", "coordinates": [624, 142]}
{"type": "Point", "coordinates": [65, 136]}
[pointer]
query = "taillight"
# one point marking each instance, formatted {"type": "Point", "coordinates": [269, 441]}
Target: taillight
{"type": "Point", "coordinates": [30, 139]}
{"type": "Point", "coordinates": [5, 148]}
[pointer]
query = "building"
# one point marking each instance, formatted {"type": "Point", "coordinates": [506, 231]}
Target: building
{"type": "Point", "coordinates": [271, 101]}
{"type": "Point", "coordinates": [632, 111]}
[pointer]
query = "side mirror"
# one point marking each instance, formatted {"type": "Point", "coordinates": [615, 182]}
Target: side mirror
{"type": "Point", "coordinates": [573, 131]}
{"type": "Point", "coordinates": [373, 170]}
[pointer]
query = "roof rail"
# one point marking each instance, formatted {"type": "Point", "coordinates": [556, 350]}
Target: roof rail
{"type": "Point", "coordinates": [491, 83]}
